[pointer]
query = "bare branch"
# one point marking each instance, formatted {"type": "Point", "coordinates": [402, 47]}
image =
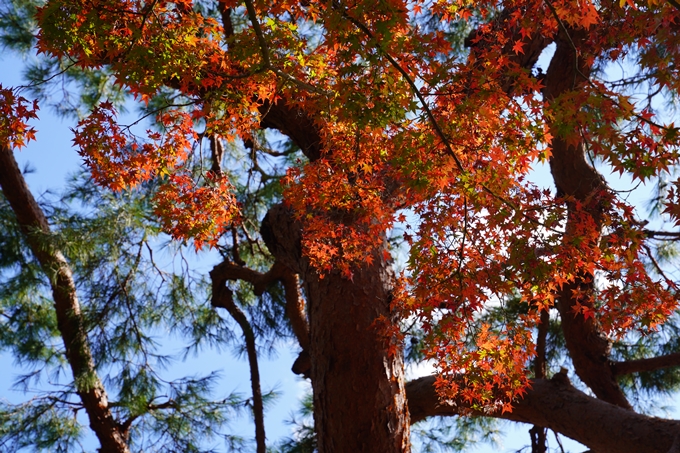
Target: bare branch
{"type": "Point", "coordinates": [216, 154]}
{"type": "Point", "coordinates": [666, 235]}
{"type": "Point", "coordinates": [295, 123]}
{"type": "Point", "coordinates": [295, 305]}
{"type": "Point", "coordinates": [222, 297]}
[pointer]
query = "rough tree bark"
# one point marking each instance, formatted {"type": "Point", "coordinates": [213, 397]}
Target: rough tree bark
{"type": "Point", "coordinates": [358, 384]}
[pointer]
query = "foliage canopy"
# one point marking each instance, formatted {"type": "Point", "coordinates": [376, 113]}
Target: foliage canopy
{"type": "Point", "coordinates": [363, 130]}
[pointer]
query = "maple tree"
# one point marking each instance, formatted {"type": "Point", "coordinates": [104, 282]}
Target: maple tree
{"type": "Point", "coordinates": [424, 117]}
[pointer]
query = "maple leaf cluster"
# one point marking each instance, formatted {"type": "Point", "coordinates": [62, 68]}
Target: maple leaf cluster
{"type": "Point", "coordinates": [15, 111]}
{"type": "Point", "coordinates": [408, 128]}
{"type": "Point", "coordinates": [186, 210]}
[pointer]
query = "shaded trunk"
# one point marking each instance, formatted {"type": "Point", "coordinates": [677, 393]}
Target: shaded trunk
{"type": "Point", "coordinates": [357, 370]}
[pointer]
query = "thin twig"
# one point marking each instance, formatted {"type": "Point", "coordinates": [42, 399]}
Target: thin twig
{"type": "Point", "coordinates": [264, 51]}
{"type": "Point", "coordinates": [559, 442]}
{"type": "Point", "coordinates": [411, 83]}
{"type": "Point", "coordinates": [656, 264]}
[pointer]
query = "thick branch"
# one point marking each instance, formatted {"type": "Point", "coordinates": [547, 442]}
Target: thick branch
{"type": "Point", "coordinates": [557, 405]}
{"type": "Point", "coordinates": [223, 297]}
{"type": "Point", "coordinates": [576, 178]}
{"type": "Point", "coordinates": [225, 14]}
{"type": "Point", "coordinates": [216, 154]}
{"type": "Point", "coordinates": [532, 45]}
{"type": "Point", "coordinates": [540, 362]}
{"type": "Point", "coordinates": [664, 235]}
{"type": "Point", "coordinates": [642, 365]}
{"type": "Point", "coordinates": [295, 307]}
{"type": "Point", "coordinates": [35, 228]}
{"type": "Point", "coordinates": [294, 123]}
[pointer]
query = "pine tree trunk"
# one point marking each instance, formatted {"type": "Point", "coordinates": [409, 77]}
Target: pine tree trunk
{"type": "Point", "coordinates": [33, 224]}
{"type": "Point", "coordinates": [357, 378]}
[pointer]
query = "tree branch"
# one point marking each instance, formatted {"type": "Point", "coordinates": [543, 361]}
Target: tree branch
{"type": "Point", "coordinates": [296, 124]}
{"type": "Point", "coordinates": [225, 14]}
{"type": "Point", "coordinates": [575, 177]}
{"type": "Point", "coordinates": [216, 155]}
{"type": "Point", "coordinates": [674, 3]}
{"type": "Point", "coordinates": [665, 235]}
{"type": "Point", "coordinates": [540, 362]}
{"type": "Point", "coordinates": [642, 365]}
{"type": "Point", "coordinates": [411, 83]}
{"type": "Point", "coordinates": [222, 297]}
{"type": "Point", "coordinates": [295, 304]}
{"type": "Point", "coordinates": [264, 52]}
{"type": "Point", "coordinates": [538, 433]}
{"type": "Point", "coordinates": [36, 230]}
{"type": "Point", "coordinates": [557, 405]}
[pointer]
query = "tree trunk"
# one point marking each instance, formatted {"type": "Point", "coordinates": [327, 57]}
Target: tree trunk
{"type": "Point", "coordinates": [34, 226]}
{"type": "Point", "coordinates": [357, 370]}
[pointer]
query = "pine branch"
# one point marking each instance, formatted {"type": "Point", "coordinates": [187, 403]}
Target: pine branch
{"type": "Point", "coordinates": [644, 365]}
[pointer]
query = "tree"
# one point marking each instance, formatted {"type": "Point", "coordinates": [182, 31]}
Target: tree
{"type": "Point", "coordinates": [419, 117]}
